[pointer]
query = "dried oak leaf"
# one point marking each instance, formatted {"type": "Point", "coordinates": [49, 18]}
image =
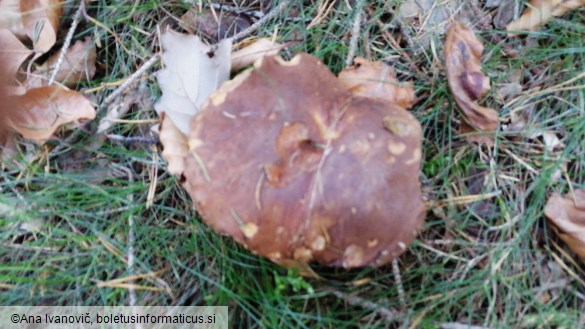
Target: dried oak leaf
{"type": "Point", "coordinates": [567, 215]}
{"type": "Point", "coordinates": [539, 12]}
{"type": "Point", "coordinates": [192, 71]}
{"type": "Point", "coordinates": [214, 24]}
{"type": "Point", "coordinates": [175, 145]}
{"type": "Point", "coordinates": [78, 66]}
{"type": "Point", "coordinates": [12, 54]}
{"type": "Point", "coordinates": [41, 22]}
{"type": "Point", "coordinates": [40, 111]}
{"type": "Point", "coordinates": [247, 55]}
{"type": "Point", "coordinates": [467, 83]}
{"type": "Point", "coordinates": [294, 166]}
{"type": "Point", "coordinates": [377, 80]}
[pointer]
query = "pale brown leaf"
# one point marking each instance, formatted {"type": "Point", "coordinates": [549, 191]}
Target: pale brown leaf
{"type": "Point", "coordinates": [77, 66]}
{"type": "Point", "coordinates": [175, 144]}
{"type": "Point", "coordinates": [191, 73]}
{"type": "Point", "coordinates": [567, 215]}
{"type": "Point", "coordinates": [40, 111]}
{"type": "Point", "coordinates": [12, 54]}
{"type": "Point", "coordinates": [376, 80]}
{"type": "Point", "coordinates": [539, 12]}
{"type": "Point", "coordinates": [250, 53]}
{"type": "Point", "coordinates": [215, 25]}
{"type": "Point", "coordinates": [467, 83]}
{"type": "Point", "coordinates": [11, 17]}
{"type": "Point", "coordinates": [41, 22]}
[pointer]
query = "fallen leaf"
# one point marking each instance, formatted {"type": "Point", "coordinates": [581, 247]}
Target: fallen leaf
{"type": "Point", "coordinates": [11, 18]}
{"type": "Point", "coordinates": [567, 215]}
{"type": "Point", "coordinates": [41, 22]}
{"type": "Point", "coordinates": [377, 80]}
{"type": "Point", "coordinates": [12, 54]}
{"type": "Point", "coordinates": [78, 66]}
{"type": "Point", "coordinates": [192, 72]}
{"type": "Point", "coordinates": [428, 19]}
{"type": "Point", "coordinates": [215, 25]}
{"type": "Point", "coordinates": [175, 144]}
{"type": "Point", "coordinates": [250, 53]}
{"type": "Point", "coordinates": [505, 13]}
{"type": "Point", "coordinates": [40, 111]}
{"type": "Point", "coordinates": [539, 12]}
{"type": "Point", "coordinates": [467, 83]}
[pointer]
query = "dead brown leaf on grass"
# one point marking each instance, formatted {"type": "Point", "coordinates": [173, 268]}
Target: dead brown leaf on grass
{"type": "Point", "coordinates": [12, 54]}
{"type": "Point", "coordinates": [40, 111]}
{"type": "Point", "coordinates": [247, 55]}
{"type": "Point", "coordinates": [175, 144]}
{"type": "Point", "coordinates": [377, 80]}
{"type": "Point", "coordinates": [41, 22]}
{"type": "Point", "coordinates": [467, 83]}
{"type": "Point", "coordinates": [214, 24]}
{"type": "Point", "coordinates": [567, 215]}
{"type": "Point", "coordinates": [539, 12]}
{"type": "Point", "coordinates": [77, 66]}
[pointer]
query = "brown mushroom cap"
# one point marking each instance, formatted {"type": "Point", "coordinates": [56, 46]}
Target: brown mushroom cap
{"type": "Point", "coordinates": [286, 160]}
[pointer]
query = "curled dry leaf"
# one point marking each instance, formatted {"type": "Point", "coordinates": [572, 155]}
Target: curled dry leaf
{"type": "Point", "coordinates": [78, 65]}
{"type": "Point", "coordinates": [12, 54]}
{"type": "Point", "coordinates": [294, 166]}
{"type": "Point", "coordinates": [175, 145]}
{"type": "Point", "coordinates": [539, 12]}
{"type": "Point", "coordinates": [40, 111]}
{"type": "Point", "coordinates": [192, 71]}
{"type": "Point", "coordinates": [252, 52]}
{"type": "Point", "coordinates": [567, 215]}
{"type": "Point", "coordinates": [215, 25]}
{"type": "Point", "coordinates": [467, 83]}
{"type": "Point", "coordinates": [377, 80]}
{"type": "Point", "coordinates": [41, 22]}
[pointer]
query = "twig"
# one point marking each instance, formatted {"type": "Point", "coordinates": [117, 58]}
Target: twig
{"type": "Point", "coordinates": [236, 10]}
{"type": "Point", "coordinates": [153, 60]}
{"type": "Point", "coordinates": [130, 139]}
{"type": "Point", "coordinates": [67, 42]}
{"type": "Point", "coordinates": [355, 33]}
{"type": "Point", "coordinates": [253, 27]}
{"type": "Point", "coordinates": [399, 286]}
{"type": "Point", "coordinates": [455, 325]}
{"type": "Point", "coordinates": [389, 314]}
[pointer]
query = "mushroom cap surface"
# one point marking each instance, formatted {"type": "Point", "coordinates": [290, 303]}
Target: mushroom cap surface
{"type": "Point", "coordinates": [292, 165]}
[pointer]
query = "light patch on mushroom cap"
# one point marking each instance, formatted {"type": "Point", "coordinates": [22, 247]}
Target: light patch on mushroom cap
{"type": "Point", "coordinates": [399, 126]}
{"type": "Point", "coordinates": [303, 254]}
{"type": "Point", "coordinates": [353, 256]}
{"type": "Point", "coordinates": [396, 148]}
{"type": "Point", "coordinates": [250, 230]}
{"type": "Point", "coordinates": [319, 243]}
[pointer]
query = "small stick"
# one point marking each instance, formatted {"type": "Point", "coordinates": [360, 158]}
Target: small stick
{"type": "Point", "coordinates": [355, 33]}
{"type": "Point", "coordinates": [236, 10]}
{"type": "Point", "coordinates": [67, 42]}
{"type": "Point", "coordinates": [398, 279]}
{"type": "Point", "coordinates": [153, 60]}
{"type": "Point", "coordinates": [127, 139]}
{"type": "Point", "coordinates": [388, 314]}
{"type": "Point", "coordinates": [253, 27]}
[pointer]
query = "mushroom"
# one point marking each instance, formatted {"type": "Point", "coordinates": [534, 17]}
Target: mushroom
{"type": "Point", "coordinates": [289, 162]}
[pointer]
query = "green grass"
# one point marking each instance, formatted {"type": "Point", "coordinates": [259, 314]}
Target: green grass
{"type": "Point", "coordinates": [501, 268]}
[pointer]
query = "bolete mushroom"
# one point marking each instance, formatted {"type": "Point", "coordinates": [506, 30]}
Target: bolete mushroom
{"type": "Point", "coordinates": [294, 166]}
